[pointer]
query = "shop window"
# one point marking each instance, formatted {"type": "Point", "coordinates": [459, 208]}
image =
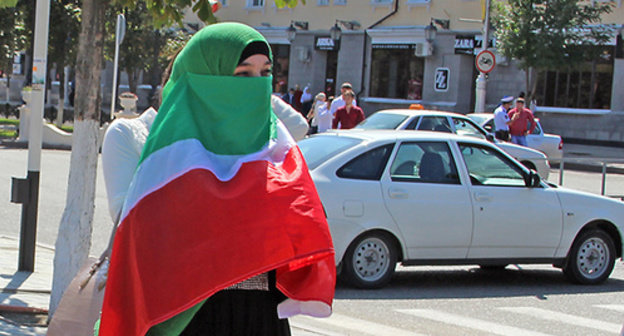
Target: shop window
{"type": "Point", "coordinates": [340, 2]}
{"type": "Point", "coordinates": [396, 72]}
{"type": "Point", "coordinates": [586, 85]}
{"type": "Point", "coordinates": [281, 56]}
{"type": "Point", "coordinates": [255, 3]}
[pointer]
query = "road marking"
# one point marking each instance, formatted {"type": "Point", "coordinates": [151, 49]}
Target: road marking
{"type": "Point", "coordinates": [565, 318]}
{"type": "Point", "coordinates": [362, 327]}
{"type": "Point", "coordinates": [618, 308]}
{"type": "Point", "coordinates": [468, 322]}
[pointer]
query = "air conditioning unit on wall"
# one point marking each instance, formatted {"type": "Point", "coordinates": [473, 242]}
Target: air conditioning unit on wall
{"type": "Point", "coordinates": [423, 49]}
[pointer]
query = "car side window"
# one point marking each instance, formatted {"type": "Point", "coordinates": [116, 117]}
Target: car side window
{"type": "Point", "coordinates": [488, 167]}
{"type": "Point", "coordinates": [367, 166]}
{"type": "Point", "coordinates": [437, 124]}
{"type": "Point", "coordinates": [412, 124]}
{"type": "Point", "coordinates": [426, 162]}
{"type": "Point", "coordinates": [537, 130]}
{"type": "Point", "coordinates": [465, 127]}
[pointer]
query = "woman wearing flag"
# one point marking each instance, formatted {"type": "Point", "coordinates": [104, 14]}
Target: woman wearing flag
{"type": "Point", "coordinates": [222, 232]}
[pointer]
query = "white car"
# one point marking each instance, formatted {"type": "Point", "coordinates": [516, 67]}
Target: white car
{"type": "Point", "coordinates": [430, 198]}
{"type": "Point", "coordinates": [428, 120]}
{"type": "Point", "coordinates": [549, 144]}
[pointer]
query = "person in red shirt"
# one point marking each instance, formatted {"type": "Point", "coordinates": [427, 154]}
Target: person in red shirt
{"type": "Point", "coordinates": [348, 115]}
{"type": "Point", "coordinates": [520, 116]}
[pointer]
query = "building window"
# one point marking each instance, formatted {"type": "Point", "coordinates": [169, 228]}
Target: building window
{"type": "Point", "coordinates": [418, 2]}
{"type": "Point", "coordinates": [396, 72]}
{"type": "Point", "coordinates": [381, 2]}
{"type": "Point", "coordinates": [340, 2]}
{"type": "Point", "coordinates": [281, 57]}
{"type": "Point", "coordinates": [586, 85]}
{"type": "Point", "coordinates": [224, 3]}
{"type": "Point", "coordinates": [322, 2]}
{"type": "Point", "coordinates": [255, 4]}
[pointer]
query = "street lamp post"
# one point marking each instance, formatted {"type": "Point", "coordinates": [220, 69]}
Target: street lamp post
{"type": "Point", "coordinates": [481, 82]}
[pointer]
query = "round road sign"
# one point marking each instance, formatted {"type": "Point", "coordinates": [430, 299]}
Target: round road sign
{"type": "Point", "coordinates": [485, 61]}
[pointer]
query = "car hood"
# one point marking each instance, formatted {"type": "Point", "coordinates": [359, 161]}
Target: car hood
{"type": "Point", "coordinates": [518, 151]}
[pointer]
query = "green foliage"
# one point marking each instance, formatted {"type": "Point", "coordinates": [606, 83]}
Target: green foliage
{"type": "Point", "coordinates": [13, 36]}
{"type": "Point", "coordinates": [549, 34]}
{"type": "Point", "coordinates": [289, 3]}
{"type": "Point", "coordinates": [145, 46]}
{"type": "Point", "coordinates": [166, 12]}
{"type": "Point", "coordinates": [4, 121]}
{"type": "Point", "coordinates": [7, 3]}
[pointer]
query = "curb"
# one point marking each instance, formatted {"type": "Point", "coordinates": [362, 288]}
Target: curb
{"type": "Point", "coordinates": [22, 310]}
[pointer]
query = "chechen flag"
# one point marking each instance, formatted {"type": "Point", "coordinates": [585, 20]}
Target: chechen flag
{"type": "Point", "coordinates": [196, 222]}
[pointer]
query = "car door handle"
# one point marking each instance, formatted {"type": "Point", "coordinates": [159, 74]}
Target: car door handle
{"type": "Point", "coordinates": [397, 193]}
{"type": "Point", "coordinates": [482, 197]}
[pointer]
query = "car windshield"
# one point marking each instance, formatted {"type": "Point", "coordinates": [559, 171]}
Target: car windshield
{"type": "Point", "coordinates": [317, 149]}
{"type": "Point", "coordinates": [479, 119]}
{"type": "Point", "coordinates": [382, 121]}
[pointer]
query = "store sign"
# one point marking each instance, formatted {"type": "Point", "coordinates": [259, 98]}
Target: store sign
{"type": "Point", "coordinates": [464, 45]}
{"type": "Point", "coordinates": [393, 46]}
{"type": "Point", "coordinates": [470, 45]}
{"type": "Point", "coordinates": [326, 43]}
{"type": "Point", "coordinates": [442, 79]}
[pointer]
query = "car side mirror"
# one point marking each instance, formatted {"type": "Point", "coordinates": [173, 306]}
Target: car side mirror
{"type": "Point", "coordinates": [532, 179]}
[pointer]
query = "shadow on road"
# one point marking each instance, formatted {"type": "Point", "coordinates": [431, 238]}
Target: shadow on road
{"type": "Point", "coordinates": [472, 282]}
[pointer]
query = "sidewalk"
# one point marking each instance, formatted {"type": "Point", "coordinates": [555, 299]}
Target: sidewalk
{"type": "Point", "coordinates": [24, 296]}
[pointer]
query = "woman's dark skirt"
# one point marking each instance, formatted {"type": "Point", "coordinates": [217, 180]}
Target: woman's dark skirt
{"type": "Point", "coordinates": [240, 313]}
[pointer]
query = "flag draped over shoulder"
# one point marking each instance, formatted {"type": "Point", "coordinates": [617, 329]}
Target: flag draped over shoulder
{"type": "Point", "coordinates": [221, 194]}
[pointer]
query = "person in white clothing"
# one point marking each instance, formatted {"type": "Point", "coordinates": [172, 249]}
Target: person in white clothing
{"type": "Point", "coordinates": [339, 101]}
{"type": "Point", "coordinates": [501, 119]}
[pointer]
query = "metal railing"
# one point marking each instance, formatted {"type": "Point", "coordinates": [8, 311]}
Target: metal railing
{"type": "Point", "coordinates": [592, 162]}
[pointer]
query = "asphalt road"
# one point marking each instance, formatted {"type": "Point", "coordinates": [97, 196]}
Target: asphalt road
{"type": "Point", "coordinates": [521, 300]}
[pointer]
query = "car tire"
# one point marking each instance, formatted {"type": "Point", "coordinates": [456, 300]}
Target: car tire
{"type": "Point", "coordinates": [370, 260]}
{"type": "Point", "coordinates": [591, 258]}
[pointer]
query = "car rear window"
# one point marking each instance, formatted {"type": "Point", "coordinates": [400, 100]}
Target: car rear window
{"type": "Point", "coordinates": [317, 149]}
{"type": "Point", "coordinates": [382, 121]}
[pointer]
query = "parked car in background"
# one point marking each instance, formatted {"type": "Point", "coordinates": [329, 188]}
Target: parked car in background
{"type": "Point", "coordinates": [432, 198]}
{"type": "Point", "coordinates": [427, 120]}
{"type": "Point", "coordinates": [549, 144]}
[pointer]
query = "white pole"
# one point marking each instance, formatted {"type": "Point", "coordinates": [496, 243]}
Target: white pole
{"type": "Point", "coordinates": [481, 80]}
{"type": "Point", "coordinates": [28, 233]}
{"type": "Point", "coordinates": [119, 35]}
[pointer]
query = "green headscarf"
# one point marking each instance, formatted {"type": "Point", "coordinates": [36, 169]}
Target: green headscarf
{"type": "Point", "coordinates": [203, 100]}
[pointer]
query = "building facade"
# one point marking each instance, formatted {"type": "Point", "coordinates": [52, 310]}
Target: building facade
{"type": "Point", "coordinates": [385, 49]}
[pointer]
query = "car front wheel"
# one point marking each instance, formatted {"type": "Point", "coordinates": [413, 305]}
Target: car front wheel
{"type": "Point", "coordinates": [591, 258]}
{"type": "Point", "coordinates": [370, 261]}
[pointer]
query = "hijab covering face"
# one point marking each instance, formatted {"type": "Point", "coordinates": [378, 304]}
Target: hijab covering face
{"type": "Point", "coordinates": [221, 194]}
{"type": "Point", "coordinates": [236, 113]}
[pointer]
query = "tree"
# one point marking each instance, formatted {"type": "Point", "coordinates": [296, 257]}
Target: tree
{"type": "Point", "coordinates": [12, 39]}
{"type": "Point", "coordinates": [549, 34]}
{"type": "Point", "coordinates": [63, 42]}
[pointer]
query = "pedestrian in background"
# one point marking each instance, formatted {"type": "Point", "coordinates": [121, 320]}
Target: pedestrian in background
{"type": "Point", "coordinates": [339, 101]}
{"type": "Point", "coordinates": [522, 123]}
{"type": "Point", "coordinates": [501, 119]}
{"type": "Point", "coordinates": [312, 116]}
{"type": "Point", "coordinates": [349, 115]}
{"type": "Point", "coordinates": [306, 101]}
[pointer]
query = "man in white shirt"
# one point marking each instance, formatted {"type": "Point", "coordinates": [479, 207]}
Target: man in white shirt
{"type": "Point", "coordinates": [339, 102]}
{"type": "Point", "coordinates": [501, 119]}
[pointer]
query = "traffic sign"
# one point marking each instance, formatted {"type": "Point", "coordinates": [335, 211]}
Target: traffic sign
{"type": "Point", "coordinates": [485, 61]}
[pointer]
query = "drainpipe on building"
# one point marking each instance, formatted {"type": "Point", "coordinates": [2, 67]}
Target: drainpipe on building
{"type": "Point", "coordinates": [396, 9]}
